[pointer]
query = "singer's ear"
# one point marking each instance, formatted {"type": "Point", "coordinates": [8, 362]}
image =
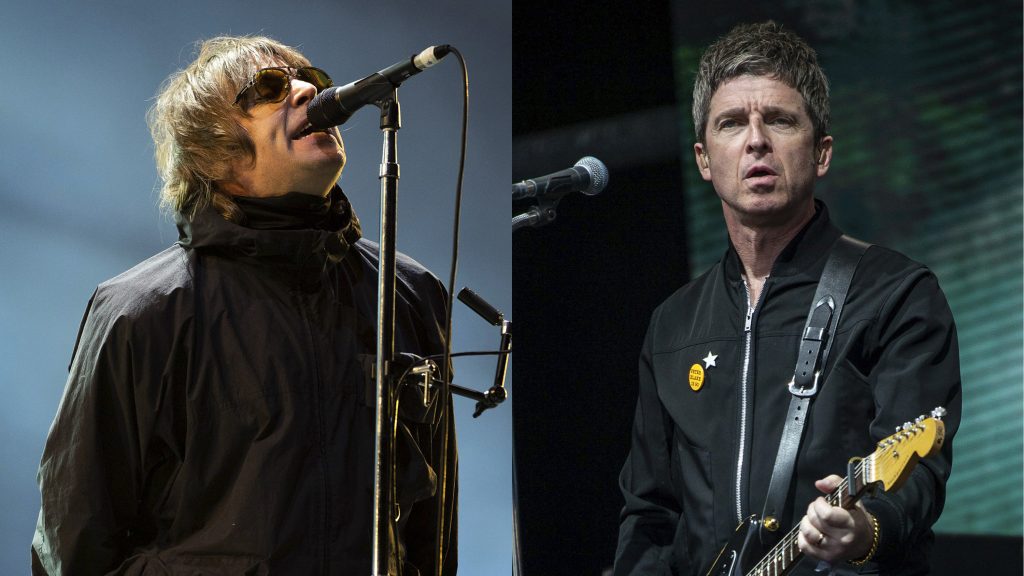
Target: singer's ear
{"type": "Point", "coordinates": [824, 159]}
{"type": "Point", "coordinates": [703, 162]}
{"type": "Point", "coordinates": [231, 187]}
{"type": "Point", "coordinates": [238, 179]}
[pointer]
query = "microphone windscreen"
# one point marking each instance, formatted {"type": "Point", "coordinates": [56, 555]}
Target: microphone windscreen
{"type": "Point", "coordinates": [598, 174]}
{"type": "Point", "coordinates": [324, 110]}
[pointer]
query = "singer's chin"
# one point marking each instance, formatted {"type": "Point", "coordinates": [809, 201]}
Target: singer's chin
{"type": "Point", "coordinates": [328, 167]}
{"type": "Point", "coordinates": [330, 148]}
{"type": "Point", "coordinates": [339, 161]}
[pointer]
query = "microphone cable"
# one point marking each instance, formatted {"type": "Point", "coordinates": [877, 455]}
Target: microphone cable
{"type": "Point", "coordinates": [441, 527]}
{"type": "Point", "coordinates": [442, 475]}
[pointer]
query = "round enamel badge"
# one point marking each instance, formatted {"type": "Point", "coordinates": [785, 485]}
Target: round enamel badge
{"type": "Point", "coordinates": [696, 377]}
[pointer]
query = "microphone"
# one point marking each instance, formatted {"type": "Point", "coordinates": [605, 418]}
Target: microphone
{"type": "Point", "coordinates": [589, 176]}
{"type": "Point", "coordinates": [334, 106]}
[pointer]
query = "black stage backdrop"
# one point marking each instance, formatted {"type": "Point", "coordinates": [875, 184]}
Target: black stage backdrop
{"type": "Point", "coordinates": [584, 287]}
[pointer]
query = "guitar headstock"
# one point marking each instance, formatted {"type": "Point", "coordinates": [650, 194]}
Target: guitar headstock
{"type": "Point", "coordinates": [891, 464]}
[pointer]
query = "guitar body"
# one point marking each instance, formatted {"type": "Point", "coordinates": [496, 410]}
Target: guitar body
{"type": "Point", "coordinates": [741, 552]}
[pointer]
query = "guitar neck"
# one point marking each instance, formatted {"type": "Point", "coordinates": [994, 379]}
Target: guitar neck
{"type": "Point", "coordinates": [784, 555]}
{"type": "Point", "coordinates": [887, 467]}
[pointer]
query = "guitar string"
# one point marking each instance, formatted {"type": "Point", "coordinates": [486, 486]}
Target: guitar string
{"type": "Point", "coordinates": [835, 498]}
{"type": "Point", "coordinates": [790, 540]}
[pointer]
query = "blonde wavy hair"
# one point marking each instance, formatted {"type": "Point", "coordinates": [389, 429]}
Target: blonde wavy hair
{"type": "Point", "coordinates": [194, 121]}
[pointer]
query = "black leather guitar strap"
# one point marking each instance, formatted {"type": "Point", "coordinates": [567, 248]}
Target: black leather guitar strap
{"type": "Point", "coordinates": [822, 321]}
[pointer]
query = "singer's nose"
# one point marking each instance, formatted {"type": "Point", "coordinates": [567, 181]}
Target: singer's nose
{"type": "Point", "coordinates": [302, 92]}
{"type": "Point", "coordinates": [757, 138]}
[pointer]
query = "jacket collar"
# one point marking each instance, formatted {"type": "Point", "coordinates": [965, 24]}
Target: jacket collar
{"type": "Point", "coordinates": [277, 233]}
{"type": "Point", "coordinates": [804, 254]}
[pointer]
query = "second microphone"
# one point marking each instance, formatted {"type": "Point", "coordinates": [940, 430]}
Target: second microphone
{"type": "Point", "coordinates": [589, 176]}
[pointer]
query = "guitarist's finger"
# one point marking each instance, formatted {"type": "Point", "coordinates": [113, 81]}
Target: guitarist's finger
{"type": "Point", "coordinates": [813, 525]}
{"type": "Point", "coordinates": [818, 513]}
{"type": "Point", "coordinates": [832, 521]}
{"type": "Point", "coordinates": [828, 518]}
{"type": "Point", "coordinates": [829, 483]}
{"type": "Point", "coordinates": [829, 544]}
{"type": "Point", "coordinates": [807, 534]}
{"type": "Point", "coordinates": [812, 541]}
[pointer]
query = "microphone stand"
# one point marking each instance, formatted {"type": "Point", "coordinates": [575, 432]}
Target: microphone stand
{"type": "Point", "coordinates": [383, 455]}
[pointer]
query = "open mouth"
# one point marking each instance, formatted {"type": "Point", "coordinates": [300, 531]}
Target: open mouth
{"type": "Point", "coordinates": [307, 130]}
{"type": "Point", "coordinates": [758, 171]}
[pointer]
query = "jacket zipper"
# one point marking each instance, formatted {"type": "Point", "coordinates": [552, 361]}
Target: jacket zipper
{"type": "Point", "coordinates": [744, 381]}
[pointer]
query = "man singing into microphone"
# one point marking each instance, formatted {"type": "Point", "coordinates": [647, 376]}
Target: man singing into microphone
{"type": "Point", "coordinates": [219, 413]}
{"type": "Point", "coordinates": [713, 392]}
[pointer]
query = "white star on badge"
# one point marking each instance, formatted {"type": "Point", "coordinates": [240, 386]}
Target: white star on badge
{"type": "Point", "coordinates": [709, 361]}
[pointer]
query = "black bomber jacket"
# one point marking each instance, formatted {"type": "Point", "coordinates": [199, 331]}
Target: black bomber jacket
{"type": "Point", "coordinates": [702, 455]}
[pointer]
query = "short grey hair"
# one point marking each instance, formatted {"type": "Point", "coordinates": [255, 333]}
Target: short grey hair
{"type": "Point", "coordinates": [762, 49]}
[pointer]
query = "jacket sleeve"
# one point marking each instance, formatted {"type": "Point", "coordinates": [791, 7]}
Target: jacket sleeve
{"type": "Point", "coordinates": [436, 441]}
{"type": "Point", "coordinates": [649, 519]}
{"type": "Point", "coordinates": [917, 368]}
{"type": "Point", "coordinates": [87, 475]}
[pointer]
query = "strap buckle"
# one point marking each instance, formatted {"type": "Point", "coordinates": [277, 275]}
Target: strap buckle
{"type": "Point", "coordinates": [804, 392]}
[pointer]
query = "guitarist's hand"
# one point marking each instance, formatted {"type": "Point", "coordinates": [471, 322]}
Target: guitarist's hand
{"type": "Point", "coordinates": [847, 533]}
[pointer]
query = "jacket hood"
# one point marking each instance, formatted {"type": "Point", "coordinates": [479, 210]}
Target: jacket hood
{"type": "Point", "coordinates": [294, 231]}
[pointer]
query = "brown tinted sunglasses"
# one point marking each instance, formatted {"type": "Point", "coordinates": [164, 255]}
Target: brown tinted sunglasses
{"type": "Point", "coordinates": [274, 84]}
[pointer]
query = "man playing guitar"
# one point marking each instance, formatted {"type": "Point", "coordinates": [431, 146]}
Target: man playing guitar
{"type": "Point", "coordinates": [719, 352]}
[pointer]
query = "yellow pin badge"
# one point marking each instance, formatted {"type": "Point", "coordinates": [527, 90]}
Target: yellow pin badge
{"type": "Point", "coordinates": [697, 372]}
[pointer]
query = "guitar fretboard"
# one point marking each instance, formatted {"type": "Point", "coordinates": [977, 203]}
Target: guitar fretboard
{"type": "Point", "coordinates": [888, 467]}
{"type": "Point", "coordinates": [784, 555]}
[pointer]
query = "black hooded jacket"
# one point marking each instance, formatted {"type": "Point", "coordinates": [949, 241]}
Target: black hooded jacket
{"type": "Point", "coordinates": [219, 413]}
{"type": "Point", "coordinates": [702, 451]}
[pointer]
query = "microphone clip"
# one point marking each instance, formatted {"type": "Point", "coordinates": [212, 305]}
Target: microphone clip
{"type": "Point", "coordinates": [537, 215]}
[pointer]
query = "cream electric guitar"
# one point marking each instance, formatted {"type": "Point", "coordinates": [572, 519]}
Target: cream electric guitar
{"type": "Point", "coordinates": [888, 467]}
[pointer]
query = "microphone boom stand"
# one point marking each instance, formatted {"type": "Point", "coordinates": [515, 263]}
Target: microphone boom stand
{"type": "Point", "coordinates": [383, 455]}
